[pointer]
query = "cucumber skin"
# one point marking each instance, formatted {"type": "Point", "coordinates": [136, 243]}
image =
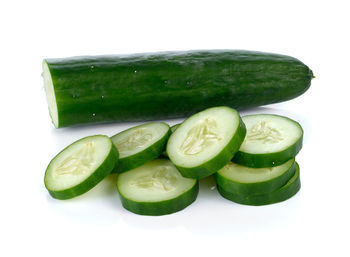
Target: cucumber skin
{"type": "Point", "coordinates": [162, 207]}
{"type": "Point", "coordinates": [172, 129]}
{"type": "Point", "coordinates": [100, 89]}
{"type": "Point", "coordinates": [101, 172]}
{"type": "Point", "coordinates": [268, 159]}
{"type": "Point", "coordinates": [254, 188]}
{"type": "Point", "coordinates": [142, 157]}
{"type": "Point", "coordinates": [220, 160]}
{"type": "Point", "coordinates": [284, 193]}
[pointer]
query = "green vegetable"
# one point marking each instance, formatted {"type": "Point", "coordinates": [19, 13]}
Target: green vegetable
{"type": "Point", "coordinates": [206, 141]}
{"type": "Point", "coordinates": [283, 193]}
{"type": "Point", "coordinates": [80, 166]}
{"type": "Point", "coordinates": [270, 141]}
{"type": "Point", "coordinates": [98, 89]}
{"type": "Point", "coordinates": [172, 129]}
{"type": "Point", "coordinates": [140, 144]}
{"type": "Point", "coordinates": [156, 188]}
{"type": "Point", "coordinates": [243, 180]}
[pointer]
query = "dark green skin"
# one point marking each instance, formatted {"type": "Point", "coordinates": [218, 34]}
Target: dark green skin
{"type": "Point", "coordinates": [98, 89]}
{"type": "Point", "coordinates": [285, 192]}
{"type": "Point", "coordinates": [269, 159]}
{"type": "Point", "coordinates": [265, 187]}
{"type": "Point", "coordinates": [220, 160]}
{"type": "Point", "coordinates": [163, 207]}
{"type": "Point", "coordinates": [150, 153]}
{"type": "Point", "coordinates": [100, 173]}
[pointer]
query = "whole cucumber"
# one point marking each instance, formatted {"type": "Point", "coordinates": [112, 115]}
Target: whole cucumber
{"type": "Point", "coordinates": [98, 89]}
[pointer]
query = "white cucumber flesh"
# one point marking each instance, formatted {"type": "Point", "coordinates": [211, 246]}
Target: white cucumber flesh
{"type": "Point", "coordinates": [206, 141]}
{"type": "Point", "coordinates": [240, 179]}
{"type": "Point", "coordinates": [141, 144]}
{"type": "Point", "coordinates": [156, 188]}
{"type": "Point", "coordinates": [80, 166]}
{"type": "Point", "coordinates": [270, 141]}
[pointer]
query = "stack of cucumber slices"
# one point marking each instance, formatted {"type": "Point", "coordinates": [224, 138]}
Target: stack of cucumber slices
{"type": "Point", "coordinates": [252, 159]}
{"type": "Point", "coordinates": [264, 170]}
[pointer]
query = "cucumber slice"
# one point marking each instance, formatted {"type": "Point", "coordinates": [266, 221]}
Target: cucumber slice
{"type": "Point", "coordinates": [283, 193]}
{"type": "Point", "coordinates": [156, 188]}
{"type": "Point", "coordinates": [206, 141]}
{"type": "Point", "coordinates": [141, 144]}
{"type": "Point", "coordinates": [80, 166]}
{"type": "Point", "coordinates": [239, 179]}
{"type": "Point", "coordinates": [270, 141]}
{"type": "Point", "coordinates": [172, 129]}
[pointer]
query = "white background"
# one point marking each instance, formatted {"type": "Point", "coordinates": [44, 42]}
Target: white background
{"type": "Point", "coordinates": [314, 222]}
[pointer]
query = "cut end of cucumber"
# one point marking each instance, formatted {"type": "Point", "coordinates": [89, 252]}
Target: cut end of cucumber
{"type": "Point", "coordinates": [50, 94]}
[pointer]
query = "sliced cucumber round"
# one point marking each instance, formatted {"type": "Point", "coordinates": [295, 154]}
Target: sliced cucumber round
{"type": "Point", "coordinates": [156, 188]}
{"type": "Point", "coordinates": [281, 194]}
{"type": "Point", "coordinates": [206, 141]}
{"type": "Point", "coordinates": [172, 129]}
{"type": "Point", "coordinates": [239, 179]}
{"type": "Point", "coordinates": [141, 144]}
{"type": "Point", "coordinates": [270, 141]}
{"type": "Point", "coordinates": [80, 166]}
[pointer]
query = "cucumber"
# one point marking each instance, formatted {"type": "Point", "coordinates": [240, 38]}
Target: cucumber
{"type": "Point", "coordinates": [156, 188]}
{"type": "Point", "coordinates": [271, 140]}
{"type": "Point", "coordinates": [98, 89]}
{"type": "Point", "coordinates": [281, 194]}
{"type": "Point", "coordinates": [80, 166]}
{"type": "Point", "coordinates": [206, 141]}
{"type": "Point", "coordinates": [172, 129]}
{"type": "Point", "coordinates": [140, 144]}
{"type": "Point", "coordinates": [243, 180]}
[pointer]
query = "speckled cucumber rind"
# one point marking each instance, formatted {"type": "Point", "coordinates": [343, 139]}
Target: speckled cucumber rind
{"type": "Point", "coordinates": [284, 193]}
{"type": "Point", "coordinates": [151, 86]}
{"type": "Point", "coordinates": [103, 170]}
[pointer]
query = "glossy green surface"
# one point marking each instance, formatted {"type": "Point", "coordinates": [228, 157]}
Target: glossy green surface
{"type": "Point", "coordinates": [97, 89]}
